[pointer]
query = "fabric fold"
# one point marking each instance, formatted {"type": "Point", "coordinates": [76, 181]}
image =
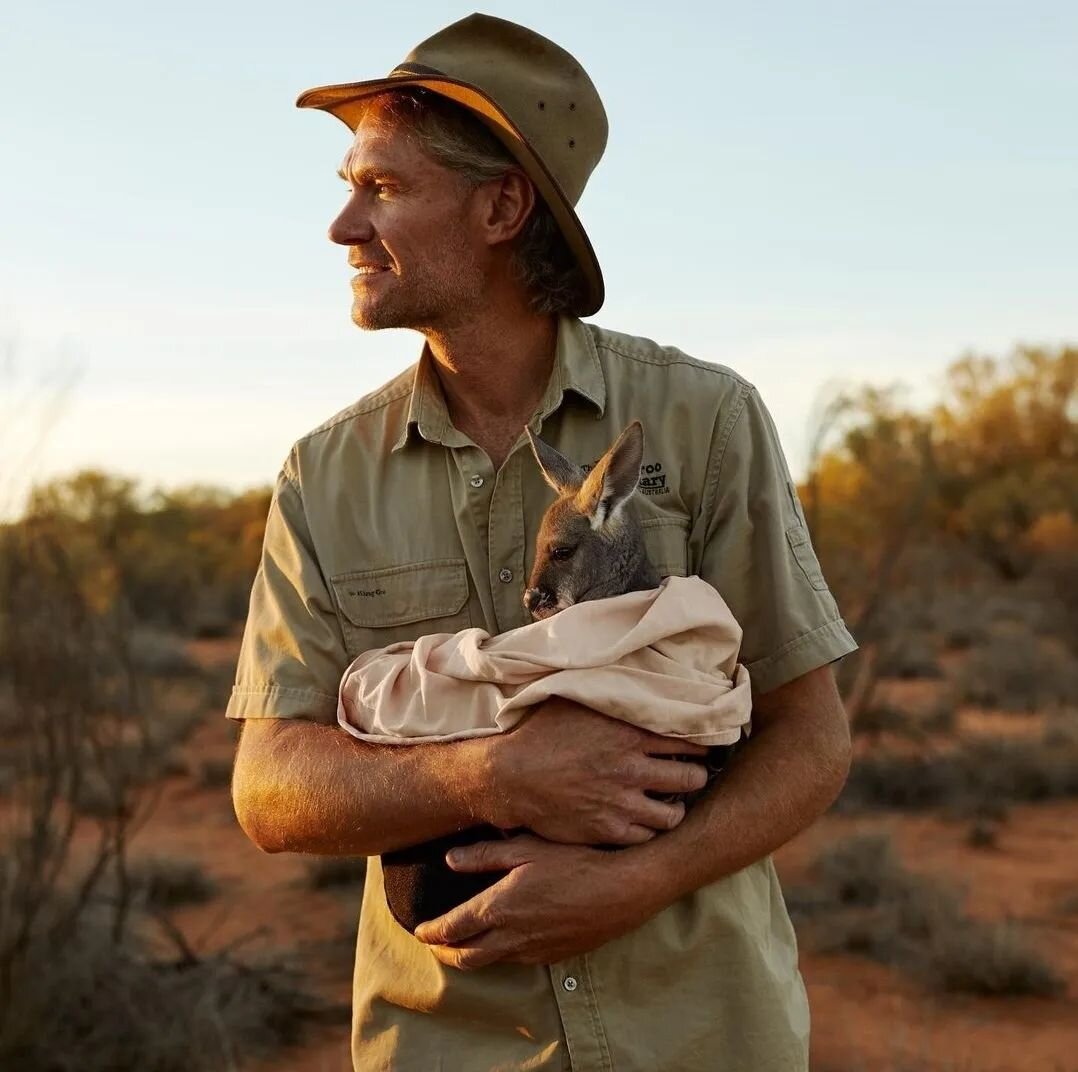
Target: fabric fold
{"type": "Point", "coordinates": [664, 660]}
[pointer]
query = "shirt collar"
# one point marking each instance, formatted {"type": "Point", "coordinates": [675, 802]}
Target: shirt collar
{"type": "Point", "coordinates": [576, 368]}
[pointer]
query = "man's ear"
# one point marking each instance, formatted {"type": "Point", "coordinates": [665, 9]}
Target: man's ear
{"type": "Point", "coordinates": [560, 473]}
{"type": "Point", "coordinates": [507, 202]}
{"type": "Point", "coordinates": [613, 480]}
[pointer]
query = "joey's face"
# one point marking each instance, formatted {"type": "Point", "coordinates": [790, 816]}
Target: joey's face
{"type": "Point", "coordinates": [569, 555]}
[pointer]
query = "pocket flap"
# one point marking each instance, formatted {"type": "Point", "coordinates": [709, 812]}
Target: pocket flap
{"type": "Point", "coordinates": [402, 594]}
{"type": "Point", "coordinates": [667, 540]}
{"type": "Point", "coordinates": [798, 538]}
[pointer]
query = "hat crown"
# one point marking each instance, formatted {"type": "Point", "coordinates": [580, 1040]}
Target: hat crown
{"type": "Point", "coordinates": [539, 86]}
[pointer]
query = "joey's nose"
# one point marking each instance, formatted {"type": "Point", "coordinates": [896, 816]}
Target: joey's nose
{"type": "Point", "coordinates": [534, 598]}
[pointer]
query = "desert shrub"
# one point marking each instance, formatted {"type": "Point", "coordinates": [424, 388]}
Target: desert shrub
{"type": "Point", "coordinates": [160, 653]}
{"type": "Point", "coordinates": [903, 782]}
{"type": "Point", "coordinates": [983, 834]}
{"type": "Point", "coordinates": [865, 902]}
{"type": "Point", "coordinates": [883, 718]}
{"type": "Point", "coordinates": [214, 773]}
{"type": "Point", "coordinates": [1013, 671]}
{"type": "Point", "coordinates": [940, 718]}
{"type": "Point", "coordinates": [326, 872]}
{"type": "Point", "coordinates": [991, 960]}
{"type": "Point", "coordinates": [909, 655]}
{"type": "Point", "coordinates": [981, 773]}
{"type": "Point", "coordinates": [81, 986]}
{"type": "Point", "coordinates": [98, 1006]}
{"type": "Point", "coordinates": [1061, 730]}
{"type": "Point", "coordinates": [168, 881]}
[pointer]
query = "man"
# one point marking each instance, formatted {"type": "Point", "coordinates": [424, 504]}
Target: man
{"type": "Point", "coordinates": [415, 511]}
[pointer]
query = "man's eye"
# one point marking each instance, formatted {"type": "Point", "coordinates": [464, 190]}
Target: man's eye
{"type": "Point", "coordinates": [562, 552]}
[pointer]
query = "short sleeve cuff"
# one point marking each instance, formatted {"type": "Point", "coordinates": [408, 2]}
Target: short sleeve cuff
{"type": "Point", "coordinates": [806, 652]}
{"type": "Point", "coordinates": [276, 702]}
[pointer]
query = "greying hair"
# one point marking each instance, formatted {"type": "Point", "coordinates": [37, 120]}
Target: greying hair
{"type": "Point", "coordinates": [456, 139]}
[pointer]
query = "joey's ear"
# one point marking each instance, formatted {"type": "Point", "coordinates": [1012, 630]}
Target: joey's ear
{"type": "Point", "coordinates": [560, 473]}
{"type": "Point", "coordinates": [612, 482]}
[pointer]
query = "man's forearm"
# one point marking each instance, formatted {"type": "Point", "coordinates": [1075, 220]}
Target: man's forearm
{"type": "Point", "coordinates": [312, 788]}
{"type": "Point", "coordinates": [786, 775]}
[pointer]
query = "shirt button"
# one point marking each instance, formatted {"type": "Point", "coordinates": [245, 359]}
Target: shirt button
{"type": "Point", "coordinates": [505, 575]}
{"type": "Point", "coordinates": [569, 982]}
{"type": "Point", "coordinates": [477, 481]}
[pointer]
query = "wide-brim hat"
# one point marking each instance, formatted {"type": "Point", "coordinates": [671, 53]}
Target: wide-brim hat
{"type": "Point", "coordinates": [534, 96]}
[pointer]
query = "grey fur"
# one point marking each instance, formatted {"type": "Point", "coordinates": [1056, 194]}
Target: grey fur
{"type": "Point", "coordinates": [560, 473]}
{"type": "Point", "coordinates": [597, 520]}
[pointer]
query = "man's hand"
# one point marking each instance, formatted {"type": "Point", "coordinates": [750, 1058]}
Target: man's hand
{"type": "Point", "coordinates": [580, 778]}
{"type": "Point", "coordinates": [558, 901]}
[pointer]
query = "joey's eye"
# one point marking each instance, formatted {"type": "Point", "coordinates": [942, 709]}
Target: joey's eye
{"type": "Point", "coordinates": [561, 553]}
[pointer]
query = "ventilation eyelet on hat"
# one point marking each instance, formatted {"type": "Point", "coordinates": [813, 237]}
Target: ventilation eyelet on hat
{"type": "Point", "coordinates": [572, 144]}
{"type": "Point", "coordinates": [542, 105]}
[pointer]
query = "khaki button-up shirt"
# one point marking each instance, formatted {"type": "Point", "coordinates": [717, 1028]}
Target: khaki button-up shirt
{"type": "Point", "coordinates": [388, 524]}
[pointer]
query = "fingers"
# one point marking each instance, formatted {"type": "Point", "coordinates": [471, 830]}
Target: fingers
{"type": "Point", "coordinates": [492, 855]}
{"type": "Point", "coordinates": [666, 776]}
{"type": "Point", "coordinates": [482, 952]}
{"type": "Point", "coordinates": [465, 921]}
{"type": "Point", "coordinates": [656, 814]}
{"type": "Point", "coordinates": [634, 835]}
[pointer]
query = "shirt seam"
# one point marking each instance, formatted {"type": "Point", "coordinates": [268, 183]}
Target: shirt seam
{"type": "Point", "coordinates": [714, 473]}
{"type": "Point", "coordinates": [283, 690]}
{"type": "Point", "coordinates": [692, 362]}
{"type": "Point", "coordinates": [799, 641]}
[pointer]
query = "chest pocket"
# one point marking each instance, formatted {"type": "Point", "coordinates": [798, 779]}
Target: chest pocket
{"type": "Point", "coordinates": [667, 543]}
{"type": "Point", "coordinates": [384, 606]}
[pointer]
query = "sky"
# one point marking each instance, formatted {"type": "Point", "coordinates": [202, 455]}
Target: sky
{"type": "Point", "coordinates": [813, 194]}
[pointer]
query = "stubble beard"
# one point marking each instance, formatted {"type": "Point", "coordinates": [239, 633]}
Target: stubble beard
{"type": "Point", "coordinates": [444, 292]}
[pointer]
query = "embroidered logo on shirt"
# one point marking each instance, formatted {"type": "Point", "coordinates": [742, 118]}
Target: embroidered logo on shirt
{"type": "Point", "coordinates": [652, 478]}
{"type": "Point", "coordinates": [368, 592]}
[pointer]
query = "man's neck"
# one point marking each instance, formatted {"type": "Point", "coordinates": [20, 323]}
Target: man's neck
{"type": "Point", "coordinates": [494, 370]}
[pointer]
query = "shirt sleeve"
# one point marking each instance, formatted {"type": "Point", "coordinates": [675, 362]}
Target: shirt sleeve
{"type": "Point", "coordinates": [753, 546]}
{"type": "Point", "coordinates": [292, 654]}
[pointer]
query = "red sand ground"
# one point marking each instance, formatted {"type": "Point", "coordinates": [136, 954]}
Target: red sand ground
{"type": "Point", "coordinates": [866, 1018]}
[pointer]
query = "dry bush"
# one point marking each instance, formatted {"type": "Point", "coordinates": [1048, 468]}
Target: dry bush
{"type": "Point", "coordinates": [168, 881]}
{"type": "Point", "coordinates": [909, 655]}
{"type": "Point", "coordinates": [865, 902]}
{"type": "Point", "coordinates": [983, 834]}
{"type": "Point", "coordinates": [213, 773]}
{"type": "Point", "coordinates": [974, 777]}
{"type": "Point", "coordinates": [326, 872]}
{"type": "Point", "coordinates": [885, 718]}
{"type": "Point", "coordinates": [1015, 671]}
{"type": "Point", "coordinates": [96, 1005]}
{"type": "Point", "coordinates": [161, 654]}
{"type": "Point", "coordinates": [990, 960]}
{"type": "Point", "coordinates": [80, 984]}
{"type": "Point", "coordinates": [939, 719]}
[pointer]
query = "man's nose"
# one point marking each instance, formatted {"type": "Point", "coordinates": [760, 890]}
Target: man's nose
{"type": "Point", "coordinates": [352, 227]}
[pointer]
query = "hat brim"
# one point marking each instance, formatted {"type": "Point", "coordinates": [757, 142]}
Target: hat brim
{"type": "Point", "coordinates": [345, 101]}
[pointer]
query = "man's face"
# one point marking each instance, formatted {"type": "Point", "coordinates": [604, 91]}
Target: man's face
{"type": "Point", "coordinates": [410, 236]}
